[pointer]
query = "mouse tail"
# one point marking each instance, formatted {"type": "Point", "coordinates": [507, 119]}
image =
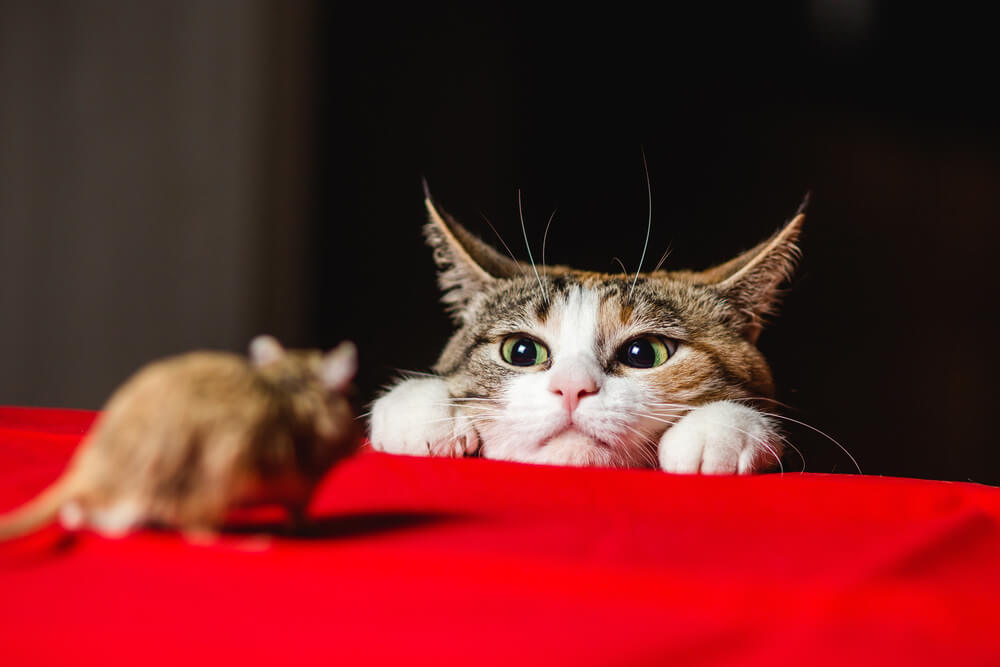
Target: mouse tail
{"type": "Point", "coordinates": [39, 511]}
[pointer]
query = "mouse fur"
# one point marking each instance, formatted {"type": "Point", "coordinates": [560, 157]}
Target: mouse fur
{"type": "Point", "coordinates": [188, 438]}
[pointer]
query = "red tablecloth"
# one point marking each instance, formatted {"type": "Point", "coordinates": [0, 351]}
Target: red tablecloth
{"type": "Point", "coordinates": [437, 561]}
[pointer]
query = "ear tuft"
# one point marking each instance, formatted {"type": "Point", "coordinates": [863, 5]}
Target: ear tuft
{"type": "Point", "coordinates": [339, 366]}
{"type": "Point", "coordinates": [751, 281]}
{"type": "Point", "coordinates": [265, 350]}
{"type": "Point", "coordinates": [805, 204]}
{"type": "Point", "coordinates": [466, 265]}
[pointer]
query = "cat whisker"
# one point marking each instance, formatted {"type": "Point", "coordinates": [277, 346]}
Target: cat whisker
{"type": "Point", "coordinates": [503, 243]}
{"type": "Point", "coordinates": [473, 419]}
{"type": "Point", "coordinates": [638, 432]}
{"type": "Point", "coordinates": [621, 264]}
{"type": "Point", "coordinates": [669, 409]}
{"type": "Point", "coordinates": [405, 374]}
{"type": "Point", "coordinates": [666, 404]}
{"type": "Point", "coordinates": [647, 448]}
{"type": "Point", "coordinates": [763, 443]}
{"type": "Point", "coordinates": [663, 259]}
{"type": "Point", "coordinates": [649, 224]}
{"type": "Point", "coordinates": [477, 420]}
{"type": "Point", "coordinates": [825, 435]}
{"type": "Point", "coordinates": [470, 401]}
{"type": "Point", "coordinates": [798, 452]}
{"type": "Point", "coordinates": [520, 212]}
{"type": "Point", "coordinates": [545, 238]}
{"type": "Point", "coordinates": [754, 399]}
{"type": "Point", "coordinates": [647, 437]}
{"type": "Point", "coordinates": [653, 417]}
{"type": "Point", "coordinates": [476, 407]}
{"type": "Point", "coordinates": [495, 414]}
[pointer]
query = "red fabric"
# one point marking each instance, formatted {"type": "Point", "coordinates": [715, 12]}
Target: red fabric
{"type": "Point", "coordinates": [439, 561]}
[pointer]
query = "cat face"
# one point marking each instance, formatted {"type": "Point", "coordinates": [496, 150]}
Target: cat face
{"type": "Point", "coordinates": [579, 368]}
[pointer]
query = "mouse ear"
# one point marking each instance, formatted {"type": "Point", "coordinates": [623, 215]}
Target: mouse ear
{"type": "Point", "coordinates": [339, 366]}
{"type": "Point", "coordinates": [264, 350]}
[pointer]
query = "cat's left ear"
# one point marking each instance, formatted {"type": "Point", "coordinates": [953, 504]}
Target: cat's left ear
{"type": "Point", "coordinates": [466, 265]}
{"type": "Point", "coordinates": [751, 280]}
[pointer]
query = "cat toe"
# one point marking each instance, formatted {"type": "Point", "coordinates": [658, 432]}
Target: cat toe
{"type": "Point", "coordinates": [680, 456]}
{"type": "Point", "coordinates": [722, 458]}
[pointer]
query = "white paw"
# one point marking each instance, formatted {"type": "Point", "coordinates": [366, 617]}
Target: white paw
{"type": "Point", "coordinates": [720, 438]}
{"type": "Point", "coordinates": [417, 417]}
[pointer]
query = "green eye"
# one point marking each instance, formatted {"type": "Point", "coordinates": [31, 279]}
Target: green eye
{"type": "Point", "coordinates": [523, 351]}
{"type": "Point", "coordinates": [646, 351]}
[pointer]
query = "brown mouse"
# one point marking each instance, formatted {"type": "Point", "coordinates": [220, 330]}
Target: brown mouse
{"type": "Point", "coordinates": [187, 439]}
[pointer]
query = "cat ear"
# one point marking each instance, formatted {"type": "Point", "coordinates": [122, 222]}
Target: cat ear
{"type": "Point", "coordinates": [339, 366]}
{"type": "Point", "coordinates": [264, 350]}
{"type": "Point", "coordinates": [466, 265]}
{"type": "Point", "coordinates": [751, 280]}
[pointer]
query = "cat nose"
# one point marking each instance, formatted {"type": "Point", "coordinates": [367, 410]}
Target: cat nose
{"type": "Point", "coordinates": [572, 384]}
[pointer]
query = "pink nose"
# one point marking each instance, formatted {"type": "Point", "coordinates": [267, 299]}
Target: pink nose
{"type": "Point", "coordinates": [572, 384]}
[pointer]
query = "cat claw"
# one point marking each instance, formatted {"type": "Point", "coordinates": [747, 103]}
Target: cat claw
{"type": "Point", "coordinates": [458, 446]}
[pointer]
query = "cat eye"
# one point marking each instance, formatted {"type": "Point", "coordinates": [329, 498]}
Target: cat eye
{"type": "Point", "coordinates": [647, 351]}
{"type": "Point", "coordinates": [523, 351]}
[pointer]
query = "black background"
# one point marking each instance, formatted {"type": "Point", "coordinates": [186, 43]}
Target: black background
{"type": "Point", "coordinates": [886, 113]}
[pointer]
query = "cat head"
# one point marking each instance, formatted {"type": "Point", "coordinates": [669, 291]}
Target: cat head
{"type": "Point", "coordinates": [576, 367]}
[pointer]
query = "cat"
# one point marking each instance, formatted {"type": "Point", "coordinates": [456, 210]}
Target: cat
{"type": "Point", "coordinates": [569, 367]}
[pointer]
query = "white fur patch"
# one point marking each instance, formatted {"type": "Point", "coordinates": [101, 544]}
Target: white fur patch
{"type": "Point", "coordinates": [576, 328]}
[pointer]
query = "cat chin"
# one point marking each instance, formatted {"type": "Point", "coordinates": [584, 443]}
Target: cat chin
{"type": "Point", "coordinates": [568, 448]}
{"type": "Point", "coordinates": [573, 440]}
{"type": "Point", "coordinates": [574, 448]}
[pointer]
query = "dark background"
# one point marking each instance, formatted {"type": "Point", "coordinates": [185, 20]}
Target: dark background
{"type": "Point", "coordinates": [292, 139]}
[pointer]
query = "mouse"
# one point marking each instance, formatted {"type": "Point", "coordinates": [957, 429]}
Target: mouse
{"type": "Point", "coordinates": [189, 438]}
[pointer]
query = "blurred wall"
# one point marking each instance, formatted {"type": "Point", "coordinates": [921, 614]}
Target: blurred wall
{"type": "Point", "coordinates": [154, 172]}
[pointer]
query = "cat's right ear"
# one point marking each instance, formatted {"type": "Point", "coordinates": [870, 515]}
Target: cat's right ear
{"type": "Point", "coordinates": [750, 281]}
{"type": "Point", "coordinates": [466, 265]}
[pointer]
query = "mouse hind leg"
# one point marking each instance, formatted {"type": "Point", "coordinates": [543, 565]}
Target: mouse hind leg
{"type": "Point", "coordinates": [114, 519]}
{"type": "Point", "coordinates": [72, 515]}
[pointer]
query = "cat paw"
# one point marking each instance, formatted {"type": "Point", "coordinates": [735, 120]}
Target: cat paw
{"type": "Point", "coordinates": [417, 417]}
{"type": "Point", "coordinates": [721, 438]}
